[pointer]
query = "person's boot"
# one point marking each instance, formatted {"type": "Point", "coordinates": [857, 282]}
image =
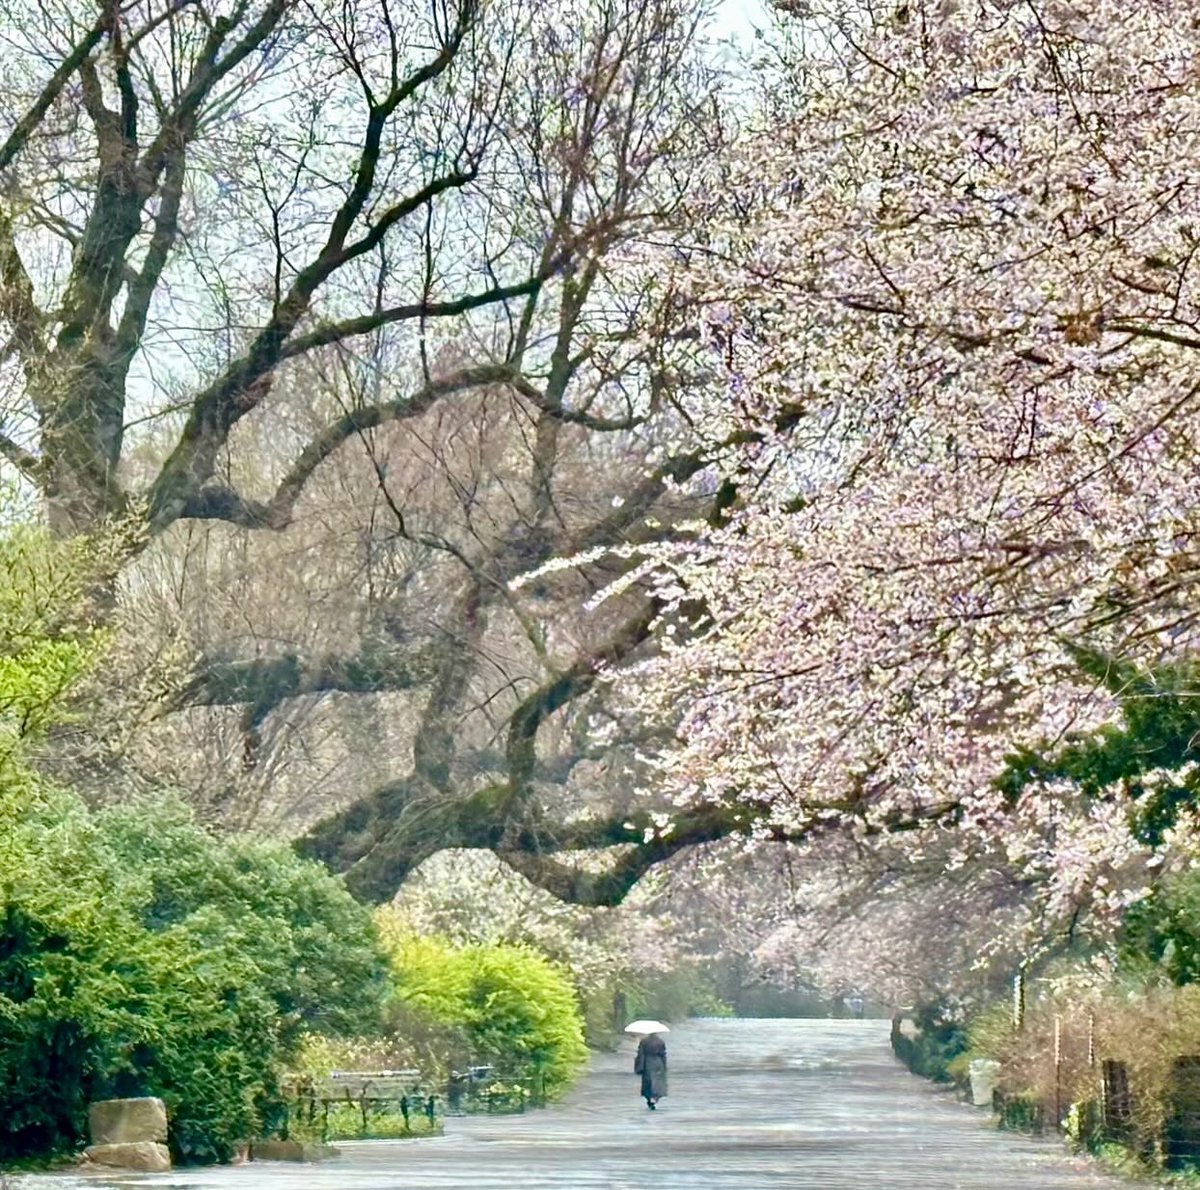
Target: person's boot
{"type": "Point", "coordinates": [650, 1104]}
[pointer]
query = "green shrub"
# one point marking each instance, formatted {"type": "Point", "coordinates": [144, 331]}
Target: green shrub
{"type": "Point", "coordinates": [505, 1005]}
{"type": "Point", "coordinates": [1022, 1113]}
{"type": "Point", "coordinates": [138, 955]}
{"type": "Point", "coordinates": [939, 1040]}
{"type": "Point", "coordinates": [522, 1013]}
{"type": "Point", "coordinates": [313, 947]}
{"type": "Point", "coordinates": [1161, 934]}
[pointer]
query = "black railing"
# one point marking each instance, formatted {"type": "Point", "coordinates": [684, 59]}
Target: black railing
{"type": "Point", "coordinates": [380, 1103]}
{"type": "Point", "coordinates": [395, 1102]}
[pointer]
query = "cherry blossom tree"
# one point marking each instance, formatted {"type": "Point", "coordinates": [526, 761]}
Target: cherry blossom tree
{"type": "Point", "coordinates": [949, 296]}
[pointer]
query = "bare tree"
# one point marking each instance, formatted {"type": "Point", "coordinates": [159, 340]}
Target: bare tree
{"type": "Point", "coordinates": [255, 249]}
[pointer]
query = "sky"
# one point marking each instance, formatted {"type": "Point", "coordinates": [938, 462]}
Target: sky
{"type": "Point", "coordinates": [738, 18]}
{"type": "Point", "coordinates": [733, 27]}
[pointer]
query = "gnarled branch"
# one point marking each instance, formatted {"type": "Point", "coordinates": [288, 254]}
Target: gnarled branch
{"type": "Point", "coordinates": [267, 683]}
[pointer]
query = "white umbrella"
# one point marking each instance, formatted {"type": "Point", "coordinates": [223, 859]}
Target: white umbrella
{"type": "Point", "coordinates": [646, 1027]}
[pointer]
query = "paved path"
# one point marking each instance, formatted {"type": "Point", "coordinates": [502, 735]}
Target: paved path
{"type": "Point", "coordinates": [754, 1105]}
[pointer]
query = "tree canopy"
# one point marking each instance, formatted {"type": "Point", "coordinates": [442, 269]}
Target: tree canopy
{"type": "Point", "coordinates": [947, 287]}
{"type": "Point", "coordinates": [522, 440]}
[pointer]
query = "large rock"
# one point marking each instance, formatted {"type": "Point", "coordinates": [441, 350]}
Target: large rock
{"type": "Point", "coordinates": [290, 1150]}
{"type": "Point", "coordinates": [145, 1155]}
{"type": "Point", "coordinates": [127, 1121]}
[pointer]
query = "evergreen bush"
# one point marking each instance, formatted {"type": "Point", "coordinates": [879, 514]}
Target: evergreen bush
{"type": "Point", "coordinates": [141, 956]}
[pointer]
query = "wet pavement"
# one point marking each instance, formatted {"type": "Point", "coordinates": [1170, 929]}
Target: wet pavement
{"type": "Point", "coordinates": [757, 1105]}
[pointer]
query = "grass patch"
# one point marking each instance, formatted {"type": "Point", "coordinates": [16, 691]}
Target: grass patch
{"type": "Point", "coordinates": [345, 1122]}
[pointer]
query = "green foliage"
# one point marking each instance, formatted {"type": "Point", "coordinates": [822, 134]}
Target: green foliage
{"type": "Point", "coordinates": [522, 1012]}
{"type": "Point", "coordinates": [990, 1031]}
{"type": "Point", "coordinates": [60, 941]}
{"type": "Point", "coordinates": [1084, 1125]}
{"type": "Point", "coordinates": [1159, 736]}
{"type": "Point", "coordinates": [46, 645]}
{"type": "Point", "coordinates": [426, 972]}
{"type": "Point", "coordinates": [1022, 1113]}
{"type": "Point", "coordinates": [1162, 932]}
{"type": "Point", "coordinates": [509, 1005]}
{"type": "Point", "coordinates": [387, 1122]}
{"type": "Point", "coordinates": [939, 1039]}
{"type": "Point", "coordinates": [140, 956]}
{"type": "Point", "coordinates": [313, 947]}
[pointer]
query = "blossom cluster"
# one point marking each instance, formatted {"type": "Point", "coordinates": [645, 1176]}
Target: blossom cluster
{"type": "Point", "coordinates": [948, 291]}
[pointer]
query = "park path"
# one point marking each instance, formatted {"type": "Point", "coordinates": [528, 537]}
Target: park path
{"type": "Point", "coordinates": [756, 1105]}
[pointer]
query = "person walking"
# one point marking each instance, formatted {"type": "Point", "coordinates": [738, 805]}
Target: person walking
{"type": "Point", "coordinates": [651, 1064]}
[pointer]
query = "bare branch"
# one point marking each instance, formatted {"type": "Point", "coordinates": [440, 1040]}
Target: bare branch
{"type": "Point", "coordinates": [350, 327]}
{"type": "Point", "coordinates": [267, 683]}
{"type": "Point", "coordinates": [28, 123]}
{"type": "Point", "coordinates": [221, 503]}
{"type": "Point", "coordinates": [177, 129]}
{"type": "Point", "coordinates": [17, 304]}
{"type": "Point", "coordinates": [552, 696]}
{"type": "Point", "coordinates": [217, 409]}
{"type": "Point", "coordinates": [25, 461]}
{"type": "Point", "coordinates": [142, 286]}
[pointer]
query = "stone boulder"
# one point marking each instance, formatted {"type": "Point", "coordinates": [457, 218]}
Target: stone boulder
{"type": "Point", "coordinates": [145, 1155]}
{"type": "Point", "coordinates": [127, 1121]}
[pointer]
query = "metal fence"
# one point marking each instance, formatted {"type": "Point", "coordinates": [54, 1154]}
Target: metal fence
{"type": "Point", "coordinates": [372, 1097]}
{"type": "Point", "coordinates": [385, 1102]}
{"type": "Point", "coordinates": [487, 1089]}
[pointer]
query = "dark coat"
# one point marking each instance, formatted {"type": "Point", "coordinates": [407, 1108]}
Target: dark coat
{"type": "Point", "coordinates": [651, 1064]}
